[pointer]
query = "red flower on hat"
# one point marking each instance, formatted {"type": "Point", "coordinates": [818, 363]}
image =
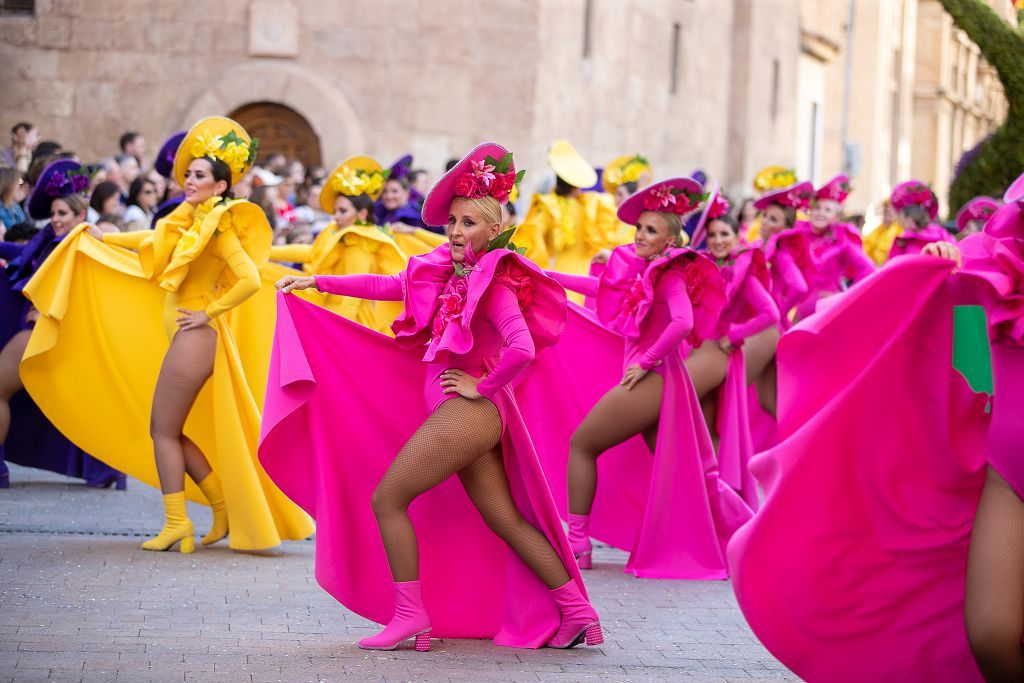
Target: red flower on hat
{"type": "Point", "coordinates": [719, 207]}
{"type": "Point", "coordinates": [660, 199]}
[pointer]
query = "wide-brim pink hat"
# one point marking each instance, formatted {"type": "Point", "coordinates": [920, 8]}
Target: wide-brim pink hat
{"type": "Point", "coordinates": [837, 189]}
{"type": "Point", "coordinates": [1015, 192]}
{"type": "Point", "coordinates": [796, 196]}
{"type": "Point", "coordinates": [438, 203]}
{"type": "Point", "coordinates": [978, 209]}
{"type": "Point", "coordinates": [915, 193]}
{"type": "Point", "coordinates": [714, 207]}
{"type": "Point", "coordinates": [667, 194]}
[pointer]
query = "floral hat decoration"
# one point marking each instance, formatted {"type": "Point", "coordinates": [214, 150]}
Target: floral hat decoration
{"type": "Point", "coordinates": [624, 169]}
{"type": "Point", "coordinates": [352, 177]}
{"type": "Point", "coordinates": [773, 178]}
{"type": "Point", "coordinates": [164, 163]}
{"type": "Point", "coordinates": [978, 209]}
{"type": "Point", "coordinates": [219, 138]}
{"type": "Point", "coordinates": [62, 178]}
{"type": "Point", "coordinates": [915, 193]}
{"type": "Point", "coordinates": [487, 171]}
{"type": "Point", "coordinates": [675, 195]}
{"type": "Point", "coordinates": [837, 189]}
{"type": "Point", "coordinates": [796, 196]}
{"type": "Point", "coordinates": [715, 207]}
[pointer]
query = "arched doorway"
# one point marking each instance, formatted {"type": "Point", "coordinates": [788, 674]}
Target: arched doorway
{"type": "Point", "coordinates": [280, 129]}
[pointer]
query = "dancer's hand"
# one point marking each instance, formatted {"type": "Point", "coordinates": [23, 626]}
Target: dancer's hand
{"type": "Point", "coordinates": [403, 228]}
{"type": "Point", "coordinates": [634, 373]}
{"type": "Point", "coordinates": [602, 256]}
{"type": "Point", "coordinates": [455, 381]}
{"type": "Point", "coordinates": [191, 320]}
{"type": "Point", "coordinates": [726, 345]}
{"type": "Point", "coordinates": [95, 232]}
{"type": "Point", "coordinates": [290, 282]}
{"type": "Point", "coordinates": [945, 250]}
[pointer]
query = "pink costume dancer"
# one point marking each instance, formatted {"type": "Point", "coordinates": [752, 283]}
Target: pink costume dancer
{"type": "Point", "coordinates": [470, 326]}
{"type": "Point", "coordinates": [836, 247]}
{"type": "Point", "coordinates": [973, 215]}
{"type": "Point", "coordinates": [786, 249]}
{"type": "Point", "coordinates": [916, 206]}
{"type": "Point", "coordinates": [672, 513]}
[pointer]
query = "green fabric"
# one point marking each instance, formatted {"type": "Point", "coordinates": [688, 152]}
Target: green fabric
{"type": "Point", "coordinates": [972, 356]}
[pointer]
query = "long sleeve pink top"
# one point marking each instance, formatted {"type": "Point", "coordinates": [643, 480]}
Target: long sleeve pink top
{"type": "Point", "coordinates": [663, 329]}
{"type": "Point", "coordinates": [503, 345]}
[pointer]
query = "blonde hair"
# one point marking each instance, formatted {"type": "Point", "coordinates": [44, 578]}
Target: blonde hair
{"type": "Point", "coordinates": [488, 208]}
{"type": "Point", "coordinates": [76, 202]}
{"type": "Point", "coordinates": [675, 225]}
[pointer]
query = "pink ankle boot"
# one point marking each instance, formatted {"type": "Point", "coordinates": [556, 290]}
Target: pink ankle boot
{"type": "Point", "coordinates": [410, 620]}
{"type": "Point", "coordinates": [579, 619]}
{"type": "Point", "coordinates": [579, 539]}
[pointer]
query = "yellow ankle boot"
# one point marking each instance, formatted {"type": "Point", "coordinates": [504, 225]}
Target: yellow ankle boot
{"type": "Point", "coordinates": [178, 527]}
{"type": "Point", "coordinates": [215, 497]}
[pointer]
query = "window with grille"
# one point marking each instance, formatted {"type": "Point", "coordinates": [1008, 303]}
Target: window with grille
{"type": "Point", "coordinates": [17, 7]}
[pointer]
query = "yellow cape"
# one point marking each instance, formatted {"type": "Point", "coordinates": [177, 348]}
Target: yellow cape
{"type": "Point", "coordinates": [101, 332]}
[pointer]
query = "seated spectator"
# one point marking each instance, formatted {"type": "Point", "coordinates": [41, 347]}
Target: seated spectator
{"type": "Point", "coordinates": [12, 193]}
{"type": "Point", "coordinates": [106, 199]}
{"type": "Point", "coordinates": [21, 233]}
{"type": "Point", "coordinates": [111, 223]}
{"type": "Point", "coordinates": [159, 182]}
{"type": "Point", "coordinates": [133, 144]}
{"type": "Point", "coordinates": [129, 170]}
{"type": "Point", "coordinates": [113, 170]}
{"type": "Point", "coordinates": [142, 201]}
{"type": "Point", "coordinates": [24, 138]}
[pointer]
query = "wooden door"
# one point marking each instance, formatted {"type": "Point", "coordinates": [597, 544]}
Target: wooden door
{"type": "Point", "coordinates": [280, 129]}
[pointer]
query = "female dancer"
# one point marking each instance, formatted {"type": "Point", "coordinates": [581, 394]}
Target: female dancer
{"type": "Point", "coordinates": [973, 215]}
{"type": "Point", "coordinates": [918, 567]}
{"type": "Point", "coordinates": [205, 259]}
{"type": "Point", "coordinates": [916, 206]}
{"type": "Point", "coordinates": [656, 295]}
{"type": "Point", "coordinates": [878, 242]}
{"type": "Point", "coordinates": [480, 311]}
{"type": "Point", "coordinates": [351, 244]}
{"type": "Point", "coordinates": [26, 436]}
{"type": "Point", "coordinates": [835, 246]}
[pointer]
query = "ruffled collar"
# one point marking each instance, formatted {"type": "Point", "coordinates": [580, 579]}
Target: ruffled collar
{"type": "Point", "coordinates": [741, 264]}
{"type": "Point", "coordinates": [625, 294]}
{"type": "Point", "coordinates": [442, 297]}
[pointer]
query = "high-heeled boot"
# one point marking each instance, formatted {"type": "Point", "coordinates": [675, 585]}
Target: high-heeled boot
{"type": "Point", "coordinates": [579, 620]}
{"type": "Point", "coordinates": [410, 620]}
{"type": "Point", "coordinates": [177, 527]}
{"type": "Point", "coordinates": [579, 539]}
{"type": "Point", "coordinates": [210, 486]}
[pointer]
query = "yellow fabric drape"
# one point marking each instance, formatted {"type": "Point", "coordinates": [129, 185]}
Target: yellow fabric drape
{"type": "Point", "coordinates": [92, 363]}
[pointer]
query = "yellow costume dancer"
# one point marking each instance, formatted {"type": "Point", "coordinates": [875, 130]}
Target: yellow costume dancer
{"type": "Point", "coordinates": [621, 178]}
{"type": "Point", "coordinates": [767, 179]}
{"type": "Point", "coordinates": [348, 245]}
{"type": "Point", "coordinates": [878, 242]}
{"type": "Point", "coordinates": [107, 315]}
{"type": "Point", "coordinates": [564, 229]}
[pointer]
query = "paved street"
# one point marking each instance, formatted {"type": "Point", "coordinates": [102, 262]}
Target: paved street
{"type": "Point", "coordinates": [80, 601]}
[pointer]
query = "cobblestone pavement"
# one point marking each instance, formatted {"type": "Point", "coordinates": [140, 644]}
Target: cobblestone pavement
{"type": "Point", "coordinates": [80, 601]}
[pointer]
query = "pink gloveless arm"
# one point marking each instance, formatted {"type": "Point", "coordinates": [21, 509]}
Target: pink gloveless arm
{"type": "Point", "coordinates": [584, 284]}
{"type": "Point", "coordinates": [672, 290]}
{"type": "Point", "coordinates": [794, 284]}
{"type": "Point", "coordinates": [370, 287]}
{"type": "Point", "coordinates": [766, 312]}
{"type": "Point", "coordinates": [501, 306]}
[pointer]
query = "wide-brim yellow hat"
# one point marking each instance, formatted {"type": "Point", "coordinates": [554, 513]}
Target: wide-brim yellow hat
{"type": "Point", "coordinates": [570, 166]}
{"type": "Point", "coordinates": [613, 175]}
{"type": "Point", "coordinates": [346, 179]}
{"type": "Point", "coordinates": [206, 139]}
{"type": "Point", "coordinates": [774, 178]}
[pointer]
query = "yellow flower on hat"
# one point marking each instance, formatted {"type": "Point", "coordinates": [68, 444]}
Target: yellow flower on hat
{"type": "Point", "coordinates": [230, 149]}
{"type": "Point", "coordinates": [372, 182]}
{"type": "Point", "coordinates": [774, 178]}
{"type": "Point", "coordinates": [347, 181]}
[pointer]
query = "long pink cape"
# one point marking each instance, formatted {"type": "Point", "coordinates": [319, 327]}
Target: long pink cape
{"type": "Point", "coordinates": [853, 569]}
{"type": "Point", "coordinates": [341, 401]}
{"type": "Point", "coordinates": [671, 511]}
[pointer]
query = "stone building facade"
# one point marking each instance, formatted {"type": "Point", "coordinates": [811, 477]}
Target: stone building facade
{"type": "Point", "coordinates": [724, 85]}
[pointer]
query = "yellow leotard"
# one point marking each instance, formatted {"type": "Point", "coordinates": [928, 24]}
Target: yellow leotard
{"type": "Point", "coordinates": [878, 242]}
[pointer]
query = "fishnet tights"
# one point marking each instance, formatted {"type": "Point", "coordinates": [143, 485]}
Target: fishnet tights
{"type": "Point", "coordinates": [462, 436]}
{"type": "Point", "coordinates": [994, 603]}
{"type": "Point", "coordinates": [186, 367]}
{"type": "Point", "coordinates": [619, 415]}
